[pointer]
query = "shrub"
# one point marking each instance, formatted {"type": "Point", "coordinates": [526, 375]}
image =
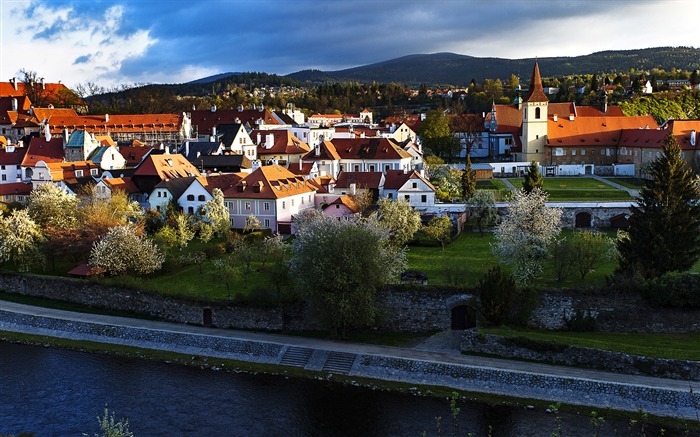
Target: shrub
{"type": "Point", "coordinates": [498, 292]}
{"type": "Point", "coordinates": [675, 290]}
{"type": "Point", "coordinates": [581, 321]}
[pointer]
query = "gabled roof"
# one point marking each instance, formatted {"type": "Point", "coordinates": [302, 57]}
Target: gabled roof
{"type": "Point", "coordinates": [50, 89]}
{"type": "Point", "coordinates": [536, 93]}
{"type": "Point", "coordinates": [270, 182]}
{"type": "Point", "coordinates": [124, 184]}
{"type": "Point", "coordinates": [41, 150]}
{"type": "Point", "coordinates": [283, 118]}
{"type": "Point", "coordinates": [166, 166]}
{"type": "Point", "coordinates": [23, 105]}
{"type": "Point", "coordinates": [284, 143]}
{"type": "Point", "coordinates": [655, 138]}
{"type": "Point", "coordinates": [322, 183]}
{"type": "Point", "coordinates": [205, 120]}
{"type": "Point", "coordinates": [12, 158]}
{"type": "Point", "coordinates": [105, 140]}
{"type": "Point", "coordinates": [47, 113]}
{"type": "Point", "coordinates": [222, 161]}
{"type": "Point", "coordinates": [62, 171]}
{"type": "Point", "coordinates": [117, 123]}
{"type": "Point", "coordinates": [223, 182]}
{"type": "Point", "coordinates": [345, 201]}
{"type": "Point", "coordinates": [79, 139]}
{"type": "Point", "coordinates": [134, 154]}
{"type": "Point", "coordinates": [369, 148]}
{"type": "Point", "coordinates": [362, 179]}
{"type": "Point", "coordinates": [176, 186]}
{"type": "Point", "coordinates": [395, 179]}
{"type": "Point", "coordinates": [327, 152]}
{"type": "Point", "coordinates": [199, 148]}
{"type": "Point", "coordinates": [229, 132]}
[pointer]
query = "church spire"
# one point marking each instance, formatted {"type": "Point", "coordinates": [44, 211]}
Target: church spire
{"type": "Point", "coordinates": [536, 93]}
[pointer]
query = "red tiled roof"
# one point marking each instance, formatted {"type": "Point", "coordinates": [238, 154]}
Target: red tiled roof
{"type": "Point", "coordinates": [327, 152]}
{"type": "Point", "coordinates": [654, 138]}
{"type": "Point", "coordinates": [51, 89]}
{"type": "Point", "coordinates": [536, 93]}
{"type": "Point", "coordinates": [12, 158]}
{"type": "Point", "coordinates": [221, 181]}
{"type": "Point", "coordinates": [134, 154]}
{"type": "Point", "coordinates": [285, 143]}
{"type": "Point", "coordinates": [270, 182]}
{"type": "Point", "coordinates": [205, 120]}
{"type": "Point", "coordinates": [66, 170]}
{"type": "Point", "coordinates": [124, 184]}
{"type": "Point", "coordinates": [368, 148]}
{"type": "Point", "coordinates": [41, 150]}
{"type": "Point", "coordinates": [395, 179]}
{"type": "Point", "coordinates": [347, 202]}
{"type": "Point", "coordinates": [593, 131]}
{"type": "Point", "coordinates": [15, 188]}
{"type": "Point", "coordinates": [361, 179]}
{"type": "Point", "coordinates": [166, 166]}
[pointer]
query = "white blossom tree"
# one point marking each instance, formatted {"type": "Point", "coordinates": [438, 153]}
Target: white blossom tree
{"type": "Point", "coordinates": [122, 250]}
{"type": "Point", "coordinates": [50, 206]}
{"type": "Point", "coordinates": [19, 240]}
{"type": "Point", "coordinates": [402, 220]}
{"type": "Point", "coordinates": [216, 213]}
{"type": "Point", "coordinates": [482, 208]}
{"type": "Point", "coordinates": [525, 233]}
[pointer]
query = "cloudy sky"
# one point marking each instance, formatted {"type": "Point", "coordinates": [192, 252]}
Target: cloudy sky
{"type": "Point", "coordinates": [113, 42]}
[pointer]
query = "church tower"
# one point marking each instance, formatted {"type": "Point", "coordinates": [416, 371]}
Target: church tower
{"type": "Point", "coordinates": [534, 110]}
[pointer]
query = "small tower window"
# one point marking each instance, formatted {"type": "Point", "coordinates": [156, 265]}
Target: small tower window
{"type": "Point", "coordinates": [537, 113]}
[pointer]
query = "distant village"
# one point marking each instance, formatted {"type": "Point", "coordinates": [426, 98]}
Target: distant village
{"type": "Point", "coordinates": [274, 163]}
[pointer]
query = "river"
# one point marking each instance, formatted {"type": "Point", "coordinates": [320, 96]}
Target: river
{"type": "Point", "coordinates": [55, 392]}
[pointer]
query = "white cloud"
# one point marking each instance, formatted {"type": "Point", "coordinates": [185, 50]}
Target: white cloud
{"type": "Point", "coordinates": [62, 44]}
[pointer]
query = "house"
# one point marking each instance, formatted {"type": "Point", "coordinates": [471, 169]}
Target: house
{"type": "Point", "coordinates": [10, 109]}
{"type": "Point", "coordinates": [313, 135]}
{"type": "Point", "coordinates": [11, 158]}
{"type": "Point", "coordinates": [371, 154]}
{"type": "Point", "coordinates": [194, 149]}
{"type": "Point", "coordinates": [65, 174]}
{"type": "Point", "coordinates": [326, 159]}
{"type": "Point", "coordinates": [133, 155]}
{"type": "Point", "coordinates": [272, 194]}
{"type": "Point", "coordinates": [279, 147]}
{"type": "Point", "coordinates": [207, 122]}
{"type": "Point", "coordinates": [309, 170]}
{"type": "Point", "coordinates": [344, 207]}
{"type": "Point", "coordinates": [212, 164]}
{"type": "Point", "coordinates": [41, 149]}
{"type": "Point", "coordinates": [108, 158]}
{"type": "Point", "coordinates": [106, 186]}
{"type": "Point", "coordinates": [355, 183]}
{"type": "Point", "coordinates": [12, 192]}
{"type": "Point", "coordinates": [410, 186]}
{"type": "Point", "coordinates": [159, 167]}
{"type": "Point", "coordinates": [235, 139]}
{"type": "Point", "coordinates": [171, 190]}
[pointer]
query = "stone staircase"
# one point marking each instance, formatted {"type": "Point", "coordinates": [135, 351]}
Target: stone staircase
{"type": "Point", "coordinates": [339, 362]}
{"type": "Point", "coordinates": [296, 356]}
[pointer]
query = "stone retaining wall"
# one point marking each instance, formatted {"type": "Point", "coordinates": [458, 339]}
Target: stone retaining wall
{"type": "Point", "coordinates": [525, 349]}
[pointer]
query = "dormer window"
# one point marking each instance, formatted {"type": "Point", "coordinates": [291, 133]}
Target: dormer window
{"type": "Point", "coordinates": [78, 173]}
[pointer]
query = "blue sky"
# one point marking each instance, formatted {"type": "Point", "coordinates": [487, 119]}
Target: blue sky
{"type": "Point", "coordinates": [112, 42]}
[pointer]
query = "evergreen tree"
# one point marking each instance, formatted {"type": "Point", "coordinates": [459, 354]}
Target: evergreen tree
{"type": "Point", "coordinates": [664, 233]}
{"type": "Point", "coordinates": [533, 178]}
{"type": "Point", "coordinates": [468, 180]}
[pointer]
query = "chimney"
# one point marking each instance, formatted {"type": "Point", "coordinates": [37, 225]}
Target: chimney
{"type": "Point", "coordinates": [693, 138]}
{"type": "Point", "coordinates": [187, 148]}
{"type": "Point", "coordinates": [269, 141]}
{"type": "Point", "coordinates": [43, 84]}
{"type": "Point", "coordinates": [259, 139]}
{"type": "Point", "coordinates": [14, 104]}
{"type": "Point", "coordinates": [555, 117]}
{"type": "Point", "coordinates": [405, 170]}
{"type": "Point", "coordinates": [106, 118]}
{"type": "Point", "coordinates": [604, 108]}
{"type": "Point", "coordinates": [300, 164]}
{"type": "Point", "coordinates": [13, 81]}
{"type": "Point", "coordinates": [213, 108]}
{"type": "Point", "coordinates": [47, 131]}
{"type": "Point", "coordinates": [240, 108]}
{"type": "Point", "coordinates": [353, 189]}
{"type": "Point", "coordinates": [318, 150]}
{"type": "Point", "coordinates": [65, 137]}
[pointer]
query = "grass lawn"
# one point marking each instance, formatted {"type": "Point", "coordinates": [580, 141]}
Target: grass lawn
{"type": "Point", "coordinates": [577, 188]}
{"type": "Point", "coordinates": [634, 183]}
{"type": "Point", "coordinates": [671, 346]}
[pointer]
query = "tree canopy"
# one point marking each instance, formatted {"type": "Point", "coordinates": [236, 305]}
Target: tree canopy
{"type": "Point", "coordinates": [664, 232]}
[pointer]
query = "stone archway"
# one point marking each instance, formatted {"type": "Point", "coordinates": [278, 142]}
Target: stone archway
{"type": "Point", "coordinates": [462, 317]}
{"type": "Point", "coordinates": [583, 220]}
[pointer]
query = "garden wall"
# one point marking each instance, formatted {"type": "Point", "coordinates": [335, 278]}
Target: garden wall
{"type": "Point", "coordinates": [526, 349]}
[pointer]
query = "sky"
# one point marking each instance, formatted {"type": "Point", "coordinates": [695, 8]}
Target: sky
{"type": "Point", "coordinates": [112, 42]}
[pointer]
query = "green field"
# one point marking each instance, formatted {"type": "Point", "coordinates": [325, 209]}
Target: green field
{"type": "Point", "coordinates": [633, 183]}
{"type": "Point", "coordinates": [577, 188]}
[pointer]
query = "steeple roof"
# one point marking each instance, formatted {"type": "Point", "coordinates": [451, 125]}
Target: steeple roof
{"type": "Point", "coordinates": [536, 93]}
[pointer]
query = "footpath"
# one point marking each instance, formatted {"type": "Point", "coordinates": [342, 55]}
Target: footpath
{"type": "Point", "coordinates": [435, 362]}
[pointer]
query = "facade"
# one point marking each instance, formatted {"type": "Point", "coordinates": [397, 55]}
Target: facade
{"type": "Point", "coordinates": [11, 163]}
{"type": "Point", "coordinates": [409, 186]}
{"type": "Point", "coordinates": [279, 147]}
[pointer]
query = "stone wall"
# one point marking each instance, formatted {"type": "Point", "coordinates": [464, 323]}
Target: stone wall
{"type": "Point", "coordinates": [526, 349]}
{"type": "Point", "coordinates": [600, 213]}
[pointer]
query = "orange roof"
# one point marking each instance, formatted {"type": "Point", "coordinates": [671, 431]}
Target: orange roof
{"type": "Point", "coordinates": [205, 120]}
{"type": "Point", "coordinates": [166, 166]}
{"type": "Point", "coordinates": [124, 184]}
{"type": "Point", "coordinates": [41, 150]}
{"type": "Point", "coordinates": [46, 113]}
{"type": "Point", "coordinates": [23, 105]}
{"type": "Point", "coordinates": [346, 201]}
{"type": "Point", "coordinates": [15, 188]}
{"type": "Point", "coordinates": [361, 179]}
{"type": "Point", "coordinates": [51, 89]}
{"type": "Point", "coordinates": [105, 140]}
{"type": "Point", "coordinates": [593, 131]}
{"type": "Point", "coordinates": [654, 138]}
{"type": "Point", "coordinates": [12, 158]}
{"type": "Point", "coordinates": [134, 154]}
{"type": "Point", "coordinates": [284, 143]}
{"type": "Point", "coordinates": [221, 181]}
{"type": "Point", "coordinates": [66, 170]}
{"type": "Point", "coordinates": [270, 182]}
{"type": "Point", "coordinates": [368, 148]}
{"type": "Point", "coordinates": [326, 152]}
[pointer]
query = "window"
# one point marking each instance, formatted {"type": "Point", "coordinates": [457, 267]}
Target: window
{"type": "Point", "coordinates": [371, 168]}
{"type": "Point", "coordinates": [583, 152]}
{"type": "Point", "coordinates": [573, 152]}
{"type": "Point", "coordinates": [266, 206]}
{"type": "Point", "coordinates": [407, 198]}
{"type": "Point", "coordinates": [592, 152]}
{"type": "Point", "coordinates": [387, 167]}
{"type": "Point", "coordinates": [93, 171]}
{"type": "Point", "coordinates": [337, 207]}
{"type": "Point", "coordinates": [78, 173]}
{"type": "Point", "coordinates": [423, 198]}
{"type": "Point", "coordinates": [414, 185]}
{"type": "Point", "coordinates": [266, 223]}
{"type": "Point", "coordinates": [302, 200]}
{"type": "Point", "coordinates": [284, 204]}
{"type": "Point", "coordinates": [247, 206]}
{"type": "Point", "coordinates": [190, 210]}
{"type": "Point", "coordinates": [537, 113]}
{"type": "Point", "coordinates": [390, 196]}
{"type": "Point", "coordinates": [508, 141]}
{"type": "Point", "coordinates": [357, 167]}
{"type": "Point", "coordinates": [292, 201]}
{"type": "Point", "coordinates": [200, 197]}
{"type": "Point", "coordinates": [559, 152]}
{"type": "Point", "coordinates": [4, 177]}
{"type": "Point", "coordinates": [190, 197]}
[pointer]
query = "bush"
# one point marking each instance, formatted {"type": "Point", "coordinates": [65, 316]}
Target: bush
{"type": "Point", "coordinates": [581, 321]}
{"type": "Point", "coordinates": [497, 294]}
{"type": "Point", "coordinates": [674, 290]}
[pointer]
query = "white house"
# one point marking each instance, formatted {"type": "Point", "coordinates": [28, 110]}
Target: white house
{"type": "Point", "coordinates": [410, 186]}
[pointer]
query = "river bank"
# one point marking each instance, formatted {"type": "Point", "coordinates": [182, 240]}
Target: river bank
{"type": "Point", "coordinates": [354, 362]}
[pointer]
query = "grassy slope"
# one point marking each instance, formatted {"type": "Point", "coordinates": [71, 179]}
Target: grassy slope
{"type": "Point", "coordinates": [577, 188]}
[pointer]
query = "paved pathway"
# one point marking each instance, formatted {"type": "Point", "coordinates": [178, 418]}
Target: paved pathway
{"type": "Point", "coordinates": [508, 183]}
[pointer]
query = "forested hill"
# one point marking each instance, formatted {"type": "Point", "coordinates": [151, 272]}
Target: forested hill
{"type": "Point", "coordinates": [454, 69]}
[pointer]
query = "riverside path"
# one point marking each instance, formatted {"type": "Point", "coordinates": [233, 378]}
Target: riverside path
{"type": "Point", "coordinates": [427, 364]}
